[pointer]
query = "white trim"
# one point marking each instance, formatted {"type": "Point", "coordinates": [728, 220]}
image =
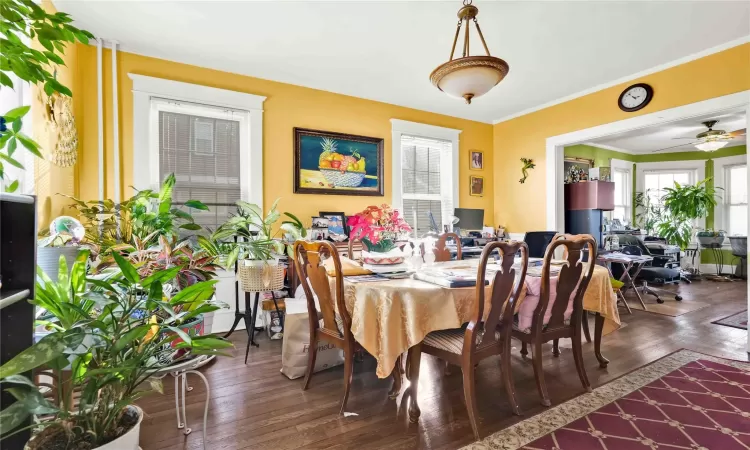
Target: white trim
{"type": "Point", "coordinates": [100, 117]}
{"type": "Point", "coordinates": [659, 68]}
{"type": "Point", "coordinates": [609, 147]}
{"type": "Point", "coordinates": [626, 166]}
{"type": "Point", "coordinates": [145, 114]}
{"type": "Point", "coordinates": [400, 127]}
{"type": "Point", "coordinates": [115, 125]}
{"type": "Point", "coordinates": [556, 144]}
{"type": "Point", "coordinates": [720, 165]}
{"type": "Point", "coordinates": [621, 164]}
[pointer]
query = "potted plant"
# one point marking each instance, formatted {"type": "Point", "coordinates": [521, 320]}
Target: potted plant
{"type": "Point", "coordinates": [711, 238]}
{"type": "Point", "coordinates": [649, 210]}
{"type": "Point", "coordinates": [101, 345]}
{"type": "Point", "coordinates": [378, 228]}
{"type": "Point", "coordinates": [683, 205]}
{"type": "Point", "coordinates": [255, 242]}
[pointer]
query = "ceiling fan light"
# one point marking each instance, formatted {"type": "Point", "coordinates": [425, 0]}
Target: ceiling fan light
{"type": "Point", "coordinates": [710, 146]}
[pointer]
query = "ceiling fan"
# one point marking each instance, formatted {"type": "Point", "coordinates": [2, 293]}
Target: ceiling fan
{"type": "Point", "coordinates": [710, 139]}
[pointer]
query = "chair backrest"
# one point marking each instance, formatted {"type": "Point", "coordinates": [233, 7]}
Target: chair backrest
{"type": "Point", "coordinates": [503, 296]}
{"type": "Point", "coordinates": [632, 250]}
{"type": "Point", "coordinates": [441, 251]}
{"type": "Point", "coordinates": [351, 250]}
{"type": "Point", "coordinates": [572, 281]}
{"type": "Point", "coordinates": [309, 257]}
{"type": "Point", "coordinates": [538, 242]}
{"type": "Point", "coordinates": [630, 240]}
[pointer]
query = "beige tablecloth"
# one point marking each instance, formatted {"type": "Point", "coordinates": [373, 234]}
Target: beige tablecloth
{"type": "Point", "coordinates": [389, 317]}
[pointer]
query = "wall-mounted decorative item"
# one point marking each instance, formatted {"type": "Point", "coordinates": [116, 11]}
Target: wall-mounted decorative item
{"type": "Point", "coordinates": [476, 186]}
{"type": "Point", "coordinates": [477, 160]}
{"type": "Point", "coordinates": [528, 164]}
{"type": "Point", "coordinates": [336, 163]}
{"type": "Point", "coordinates": [59, 114]}
{"type": "Point", "coordinates": [635, 97]}
{"type": "Point", "coordinates": [337, 228]}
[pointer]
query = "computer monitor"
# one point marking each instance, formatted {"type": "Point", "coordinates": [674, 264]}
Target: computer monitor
{"type": "Point", "coordinates": [469, 219]}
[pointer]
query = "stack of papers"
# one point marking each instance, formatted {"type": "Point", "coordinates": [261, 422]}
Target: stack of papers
{"type": "Point", "coordinates": [456, 278]}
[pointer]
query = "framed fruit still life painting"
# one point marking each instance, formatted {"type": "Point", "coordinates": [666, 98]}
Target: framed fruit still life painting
{"type": "Point", "coordinates": [337, 163]}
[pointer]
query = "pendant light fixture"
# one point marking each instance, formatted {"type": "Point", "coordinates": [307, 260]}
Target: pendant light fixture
{"type": "Point", "coordinates": [469, 76]}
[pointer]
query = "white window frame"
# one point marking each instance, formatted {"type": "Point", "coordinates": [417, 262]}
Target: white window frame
{"type": "Point", "coordinates": [721, 212]}
{"type": "Point", "coordinates": [697, 169]}
{"type": "Point", "coordinates": [620, 165]}
{"type": "Point", "coordinates": [449, 169]}
{"type": "Point", "coordinates": [152, 95]}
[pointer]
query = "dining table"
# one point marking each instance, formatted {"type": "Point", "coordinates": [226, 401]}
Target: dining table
{"type": "Point", "coordinates": [393, 315]}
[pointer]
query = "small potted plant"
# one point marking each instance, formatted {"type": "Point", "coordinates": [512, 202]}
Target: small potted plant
{"type": "Point", "coordinates": [379, 228]}
{"type": "Point", "coordinates": [103, 347]}
{"type": "Point", "coordinates": [711, 238]}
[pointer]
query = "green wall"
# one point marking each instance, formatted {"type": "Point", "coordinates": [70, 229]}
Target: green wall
{"type": "Point", "coordinates": [603, 156]}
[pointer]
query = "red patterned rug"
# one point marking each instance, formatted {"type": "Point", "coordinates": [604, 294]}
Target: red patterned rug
{"type": "Point", "coordinates": [738, 320]}
{"type": "Point", "coordinates": [686, 400]}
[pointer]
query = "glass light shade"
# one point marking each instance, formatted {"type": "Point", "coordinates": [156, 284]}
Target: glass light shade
{"type": "Point", "coordinates": [710, 146]}
{"type": "Point", "coordinates": [472, 81]}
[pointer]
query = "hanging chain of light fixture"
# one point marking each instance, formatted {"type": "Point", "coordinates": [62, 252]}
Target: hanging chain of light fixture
{"type": "Point", "coordinates": [469, 77]}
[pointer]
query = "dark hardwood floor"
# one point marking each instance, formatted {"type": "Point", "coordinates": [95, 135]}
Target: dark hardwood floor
{"type": "Point", "coordinates": [253, 406]}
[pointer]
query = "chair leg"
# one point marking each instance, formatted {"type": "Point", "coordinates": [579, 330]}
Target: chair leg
{"type": "Point", "coordinates": [510, 387]}
{"type": "Point", "coordinates": [311, 354]}
{"type": "Point", "coordinates": [585, 322]}
{"type": "Point", "coordinates": [524, 350]}
{"type": "Point", "coordinates": [470, 396]}
{"type": "Point", "coordinates": [578, 357]}
{"type": "Point", "coordinates": [539, 373]}
{"type": "Point", "coordinates": [556, 348]}
{"type": "Point", "coordinates": [348, 372]}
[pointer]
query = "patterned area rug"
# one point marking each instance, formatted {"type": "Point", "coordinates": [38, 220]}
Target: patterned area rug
{"type": "Point", "coordinates": [738, 320]}
{"type": "Point", "coordinates": [686, 400]}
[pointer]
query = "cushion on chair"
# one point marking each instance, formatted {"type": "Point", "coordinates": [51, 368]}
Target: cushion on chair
{"type": "Point", "coordinates": [348, 267]}
{"type": "Point", "coordinates": [449, 340]}
{"type": "Point", "coordinates": [530, 302]}
{"type": "Point", "coordinates": [653, 273]}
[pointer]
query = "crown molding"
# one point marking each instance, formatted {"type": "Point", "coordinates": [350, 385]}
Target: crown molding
{"type": "Point", "coordinates": [659, 68]}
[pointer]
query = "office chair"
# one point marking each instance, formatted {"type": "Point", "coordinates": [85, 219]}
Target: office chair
{"type": "Point", "coordinates": [537, 241]}
{"type": "Point", "coordinates": [655, 271]}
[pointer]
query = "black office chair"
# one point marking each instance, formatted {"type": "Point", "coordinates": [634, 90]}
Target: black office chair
{"type": "Point", "coordinates": [537, 241]}
{"type": "Point", "coordinates": [655, 271]}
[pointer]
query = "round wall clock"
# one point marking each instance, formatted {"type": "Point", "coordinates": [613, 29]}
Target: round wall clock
{"type": "Point", "coordinates": [635, 97]}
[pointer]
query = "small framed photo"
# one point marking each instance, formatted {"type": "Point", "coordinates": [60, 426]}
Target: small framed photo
{"type": "Point", "coordinates": [319, 234]}
{"type": "Point", "coordinates": [320, 222]}
{"type": "Point", "coordinates": [336, 224]}
{"type": "Point", "coordinates": [477, 160]}
{"type": "Point", "coordinates": [476, 186]}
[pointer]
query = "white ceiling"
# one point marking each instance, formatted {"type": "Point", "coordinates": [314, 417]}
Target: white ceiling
{"type": "Point", "coordinates": [670, 135]}
{"type": "Point", "coordinates": [385, 50]}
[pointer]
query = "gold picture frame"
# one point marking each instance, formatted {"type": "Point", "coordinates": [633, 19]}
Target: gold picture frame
{"type": "Point", "coordinates": [476, 160]}
{"type": "Point", "coordinates": [476, 186]}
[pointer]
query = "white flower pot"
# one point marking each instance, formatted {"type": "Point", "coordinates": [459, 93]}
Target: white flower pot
{"type": "Point", "coordinates": [129, 440]}
{"type": "Point", "coordinates": [48, 258]}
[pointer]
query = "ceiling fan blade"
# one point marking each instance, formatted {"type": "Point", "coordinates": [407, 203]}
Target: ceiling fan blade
{"type": "Point", "coordinates": [675, 146]}
{"type": "Point", "coordinates": [740, 132]}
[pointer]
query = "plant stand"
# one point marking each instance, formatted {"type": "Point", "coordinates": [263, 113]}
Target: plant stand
{"type": "Point", "coordinates": [716, 250]}
{"type": "Point", "coordinates": [258, 279]}
{"type": "Point", "coordinates": [180, 372]}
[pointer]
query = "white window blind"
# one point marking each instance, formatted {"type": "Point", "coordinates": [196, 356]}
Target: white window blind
{"type": "Point", "coordinates": [622, 179]}
{"type": "Point", "coordinates": [204, 154]}
{"type": "Point", "coordinates": [735, 198]}
{"type": "Point", "coordinates": [426, 175]}
{"type": "Point", "coordinates": [656, 182]}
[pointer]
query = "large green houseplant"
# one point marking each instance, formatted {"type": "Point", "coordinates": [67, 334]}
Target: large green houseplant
{"type": "Point", "coordinates": [683, 205]}
{"type": "Point", "coordinates": [22, 22]}
{"type": "Point", "coordinates": [101, 341]}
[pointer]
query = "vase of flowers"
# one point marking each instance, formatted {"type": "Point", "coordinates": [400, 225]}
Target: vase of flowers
{"type": "Point", "coordinates": [379, 227]}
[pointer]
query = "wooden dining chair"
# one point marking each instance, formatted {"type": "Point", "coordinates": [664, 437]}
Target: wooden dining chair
{"type": "Point", "coordinates": [489, 331]}
{"type": "Point", "coordinates": [442, 253]}
{"type": "Point", "coordinates": [572, 282]}
{"type": "Point", "coordinates": [352, 241]}
{"type": "Point", "coordinates": [336, 330]}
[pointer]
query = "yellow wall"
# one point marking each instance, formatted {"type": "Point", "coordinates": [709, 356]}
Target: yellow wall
{"type": "Point", "coordinates": [50, 179]}
{"type": "Point", "coordinates": [287, 106]}
{"type": "Point", "coordinates": [521, 207]}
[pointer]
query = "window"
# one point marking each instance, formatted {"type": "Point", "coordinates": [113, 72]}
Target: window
{"type": "Point", "coordinates": [204, 155]}
{"type": "Point", "coordinates": [422, 173]}
{"type": "Point", "coordinates": [425, 174]}
{"type": "Point", "coordinates": [655, 182]}
{"type": "Point", "coordinates": [211, 139]}
{"type": "Point", "coordinates": [735, 196]}
{"type": "Point", "coordinates": [623, 194]}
